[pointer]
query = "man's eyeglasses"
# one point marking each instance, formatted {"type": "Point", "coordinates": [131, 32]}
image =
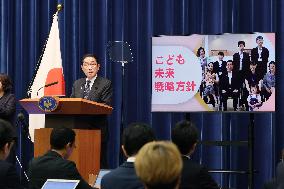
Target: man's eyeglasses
{"type": "Point", "coordinates": [85, 65]}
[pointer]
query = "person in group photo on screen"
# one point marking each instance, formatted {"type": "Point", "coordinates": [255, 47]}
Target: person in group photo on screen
{"type": "Point", "coordinates": [219, 66]}
{"type": "Point", "coordinates": [202, 59]}
{"type": "Point", "coordinates": [9, 178]}
{"type": "Point", "coordinates": [203, 63]}
{"type": "Point", "coordinates": [211, 80]}
{"type": "Point", "coordinates": [269, 81]}
{"type": "Point", "coordinates": [260, 55]}
{"type": "Point", "coordinates": [254, 98]}
{"type": "Point", "coordinates": [98, 89]}
{"type": "Point", "coordinates": [194, 176]}
{"type": "Point", "coordinates": [8, 107]}
{"type": "Point", "coordinates": [251, 79]}
{"type": "Point", "coordinates": [229, 86]}
{"type": "Point", "coordinates": [54, 164]}
{"type": "Point", "coordinates": [134, 137]}
{"type": "Point", "coordinates": [159, 165]}
{"type": "Point", "coordinates": [241, 60]}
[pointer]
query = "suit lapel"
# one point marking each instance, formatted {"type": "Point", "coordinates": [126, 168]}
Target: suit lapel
{"type": "Point", "coordinates": [81, 90]}
{"type": "Point", "coordinates": [94, 88]}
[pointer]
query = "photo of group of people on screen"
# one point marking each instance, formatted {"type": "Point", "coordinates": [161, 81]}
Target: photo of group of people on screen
{"type": "Point", "coordinates": [241, 83]}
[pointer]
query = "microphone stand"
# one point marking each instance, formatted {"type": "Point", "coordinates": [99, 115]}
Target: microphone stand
{"type": "Point", "coordinates": [26, 147]}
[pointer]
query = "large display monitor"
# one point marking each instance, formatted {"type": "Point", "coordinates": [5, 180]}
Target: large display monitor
{"type": "Point", "coordinates": [226, 72]}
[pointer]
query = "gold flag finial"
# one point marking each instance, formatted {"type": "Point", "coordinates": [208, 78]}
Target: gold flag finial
{"type": "Point", "coordinates": [59, 7]}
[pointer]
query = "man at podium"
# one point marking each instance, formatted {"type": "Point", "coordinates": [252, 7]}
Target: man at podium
{"type": "Point", "coordinates": [98, 89]}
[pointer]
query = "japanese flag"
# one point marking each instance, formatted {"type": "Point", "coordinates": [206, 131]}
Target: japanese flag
{"type": "Point", "coordinates": [50, 71]}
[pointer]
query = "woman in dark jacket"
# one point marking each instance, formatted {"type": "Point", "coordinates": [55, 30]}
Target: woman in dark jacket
{"type": "Point", "coordinates": [7, 100]}
{"type": "Point", "coordinates": [7, 108]}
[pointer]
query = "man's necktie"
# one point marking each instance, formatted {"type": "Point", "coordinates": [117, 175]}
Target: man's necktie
{"type": "Point", "coordinates": [87, 89]}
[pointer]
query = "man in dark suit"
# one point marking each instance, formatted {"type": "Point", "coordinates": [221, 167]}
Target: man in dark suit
{"type": "Point", "coordinates": [241, 60]}
{"type": "Point", "coordinates": [260, 56]}
{"type": "Point", "coordinates": [8, 176]}
{"type": "Point", "coordinates": [98, 89]}
{"type": "Point", "coordinates": [229, 86]}
{"type": "Point", "coordinates": [55, 164]}
{"type": "Point", "coordinates": [194, 175]}
{"type": "Point", "coordinates": [124, 177]}
{"type": "Point", "coordinates": [219, 66]}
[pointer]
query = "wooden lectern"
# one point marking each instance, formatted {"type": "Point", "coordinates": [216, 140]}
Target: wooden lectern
{"type": "Point", "coordinates": [87, 153]}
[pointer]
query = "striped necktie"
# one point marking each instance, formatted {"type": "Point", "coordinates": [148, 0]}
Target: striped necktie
{"type": "Point", "coordinates": [87, 89]}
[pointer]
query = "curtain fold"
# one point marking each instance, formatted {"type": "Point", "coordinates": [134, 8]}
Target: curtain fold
{"type": "Point", "coordinates": [88, 26]}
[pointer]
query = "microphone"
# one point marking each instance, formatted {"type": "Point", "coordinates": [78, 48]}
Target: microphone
{"type": "Point", "coordinates": [25, 126]}
{"type": "Point", "coordinates": [47, 85]}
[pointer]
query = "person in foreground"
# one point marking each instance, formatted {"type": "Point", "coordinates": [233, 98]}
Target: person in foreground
{"type": "Point", "coordinates": [8, 176]}
{"type": "Point", "coordinates": [98, 89]}
{"type": "Point", "coordinates": [194, 176]}
{"type": "Point", "coordinates": [55, 164]}
{"type": "Point", "coordinates": [159, 165]}
{"type": "Point", "coordinates": [124, 177]}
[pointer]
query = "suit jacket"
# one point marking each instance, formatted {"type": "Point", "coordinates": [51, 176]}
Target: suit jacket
{"type": "Point", "coordinates": [101, 90]}
{"type": "Point", "coordinates": [255, 55]}
{"type": "Point", "coordinates": [194, 176]}
{"type": "Point", "coordinates": [52, 166]}
{"type": "Point", "coordinates": [224, 82]}
{"type": "Point", "coordinates": [245, 62]}
{"type": "Point", "coordinates": [8, 176]}
{"type": "Point", "coordinates": [7, 107]}
{"type": "Point", "coordinates": [261, 66]}
{"type": "Point", "coordinates": [216, 68]}
{"type": "Point", "coordinates": [123, 177]}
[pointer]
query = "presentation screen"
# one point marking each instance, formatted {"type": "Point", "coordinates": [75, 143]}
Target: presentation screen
{"type": "Point", "coordinates": [226, 72]}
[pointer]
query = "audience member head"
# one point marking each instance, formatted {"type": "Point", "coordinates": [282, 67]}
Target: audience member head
{"type": "Point", "coordinates": [259, 41]}
{"type": "Point", "coordinates": [185, 136]}
{"type": "Point", "coordinates": [5, 83]}
{"type": "Point", "coordinates": [229, 65]}
{"type": "Point", "coordinates": [220, 55]}
{"type": "Point", "coordinates": [159, 165]}
{"type": "Point", "coordinates": [90, 65]}
{"type": "Point", "coordinates": [7, 139]}
{"type": "Point", "coordinates": [200, 52]}
{"type": "Point", "coordinates": [62, 140]}
{"type": "Point", "coordinates": [135, 136]}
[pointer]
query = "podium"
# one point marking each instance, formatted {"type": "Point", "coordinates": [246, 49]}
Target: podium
{"type": "Point", "coordinates": [71, 112]}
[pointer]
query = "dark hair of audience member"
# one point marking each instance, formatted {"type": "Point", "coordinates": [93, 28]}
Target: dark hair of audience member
{"type": "Point", "coordinates": [6, 134]}
{"type": "Point", "coordinates": [60, 137]}
{"type": "Point", "coordinates": [184, 135]}
{"type": "Point", "coordinates": [135, 136]}
{"type": "Point", "coordinates": [6, 83]}
{"type": "Point", "coordinates": [241, 42]}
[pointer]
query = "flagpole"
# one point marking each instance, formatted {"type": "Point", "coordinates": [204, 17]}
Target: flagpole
{"type": "Point", "coordinates": [58, 9]}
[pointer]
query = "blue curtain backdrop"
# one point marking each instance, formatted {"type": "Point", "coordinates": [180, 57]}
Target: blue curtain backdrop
{"type": "Point", "coordinates": [88, 25]}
